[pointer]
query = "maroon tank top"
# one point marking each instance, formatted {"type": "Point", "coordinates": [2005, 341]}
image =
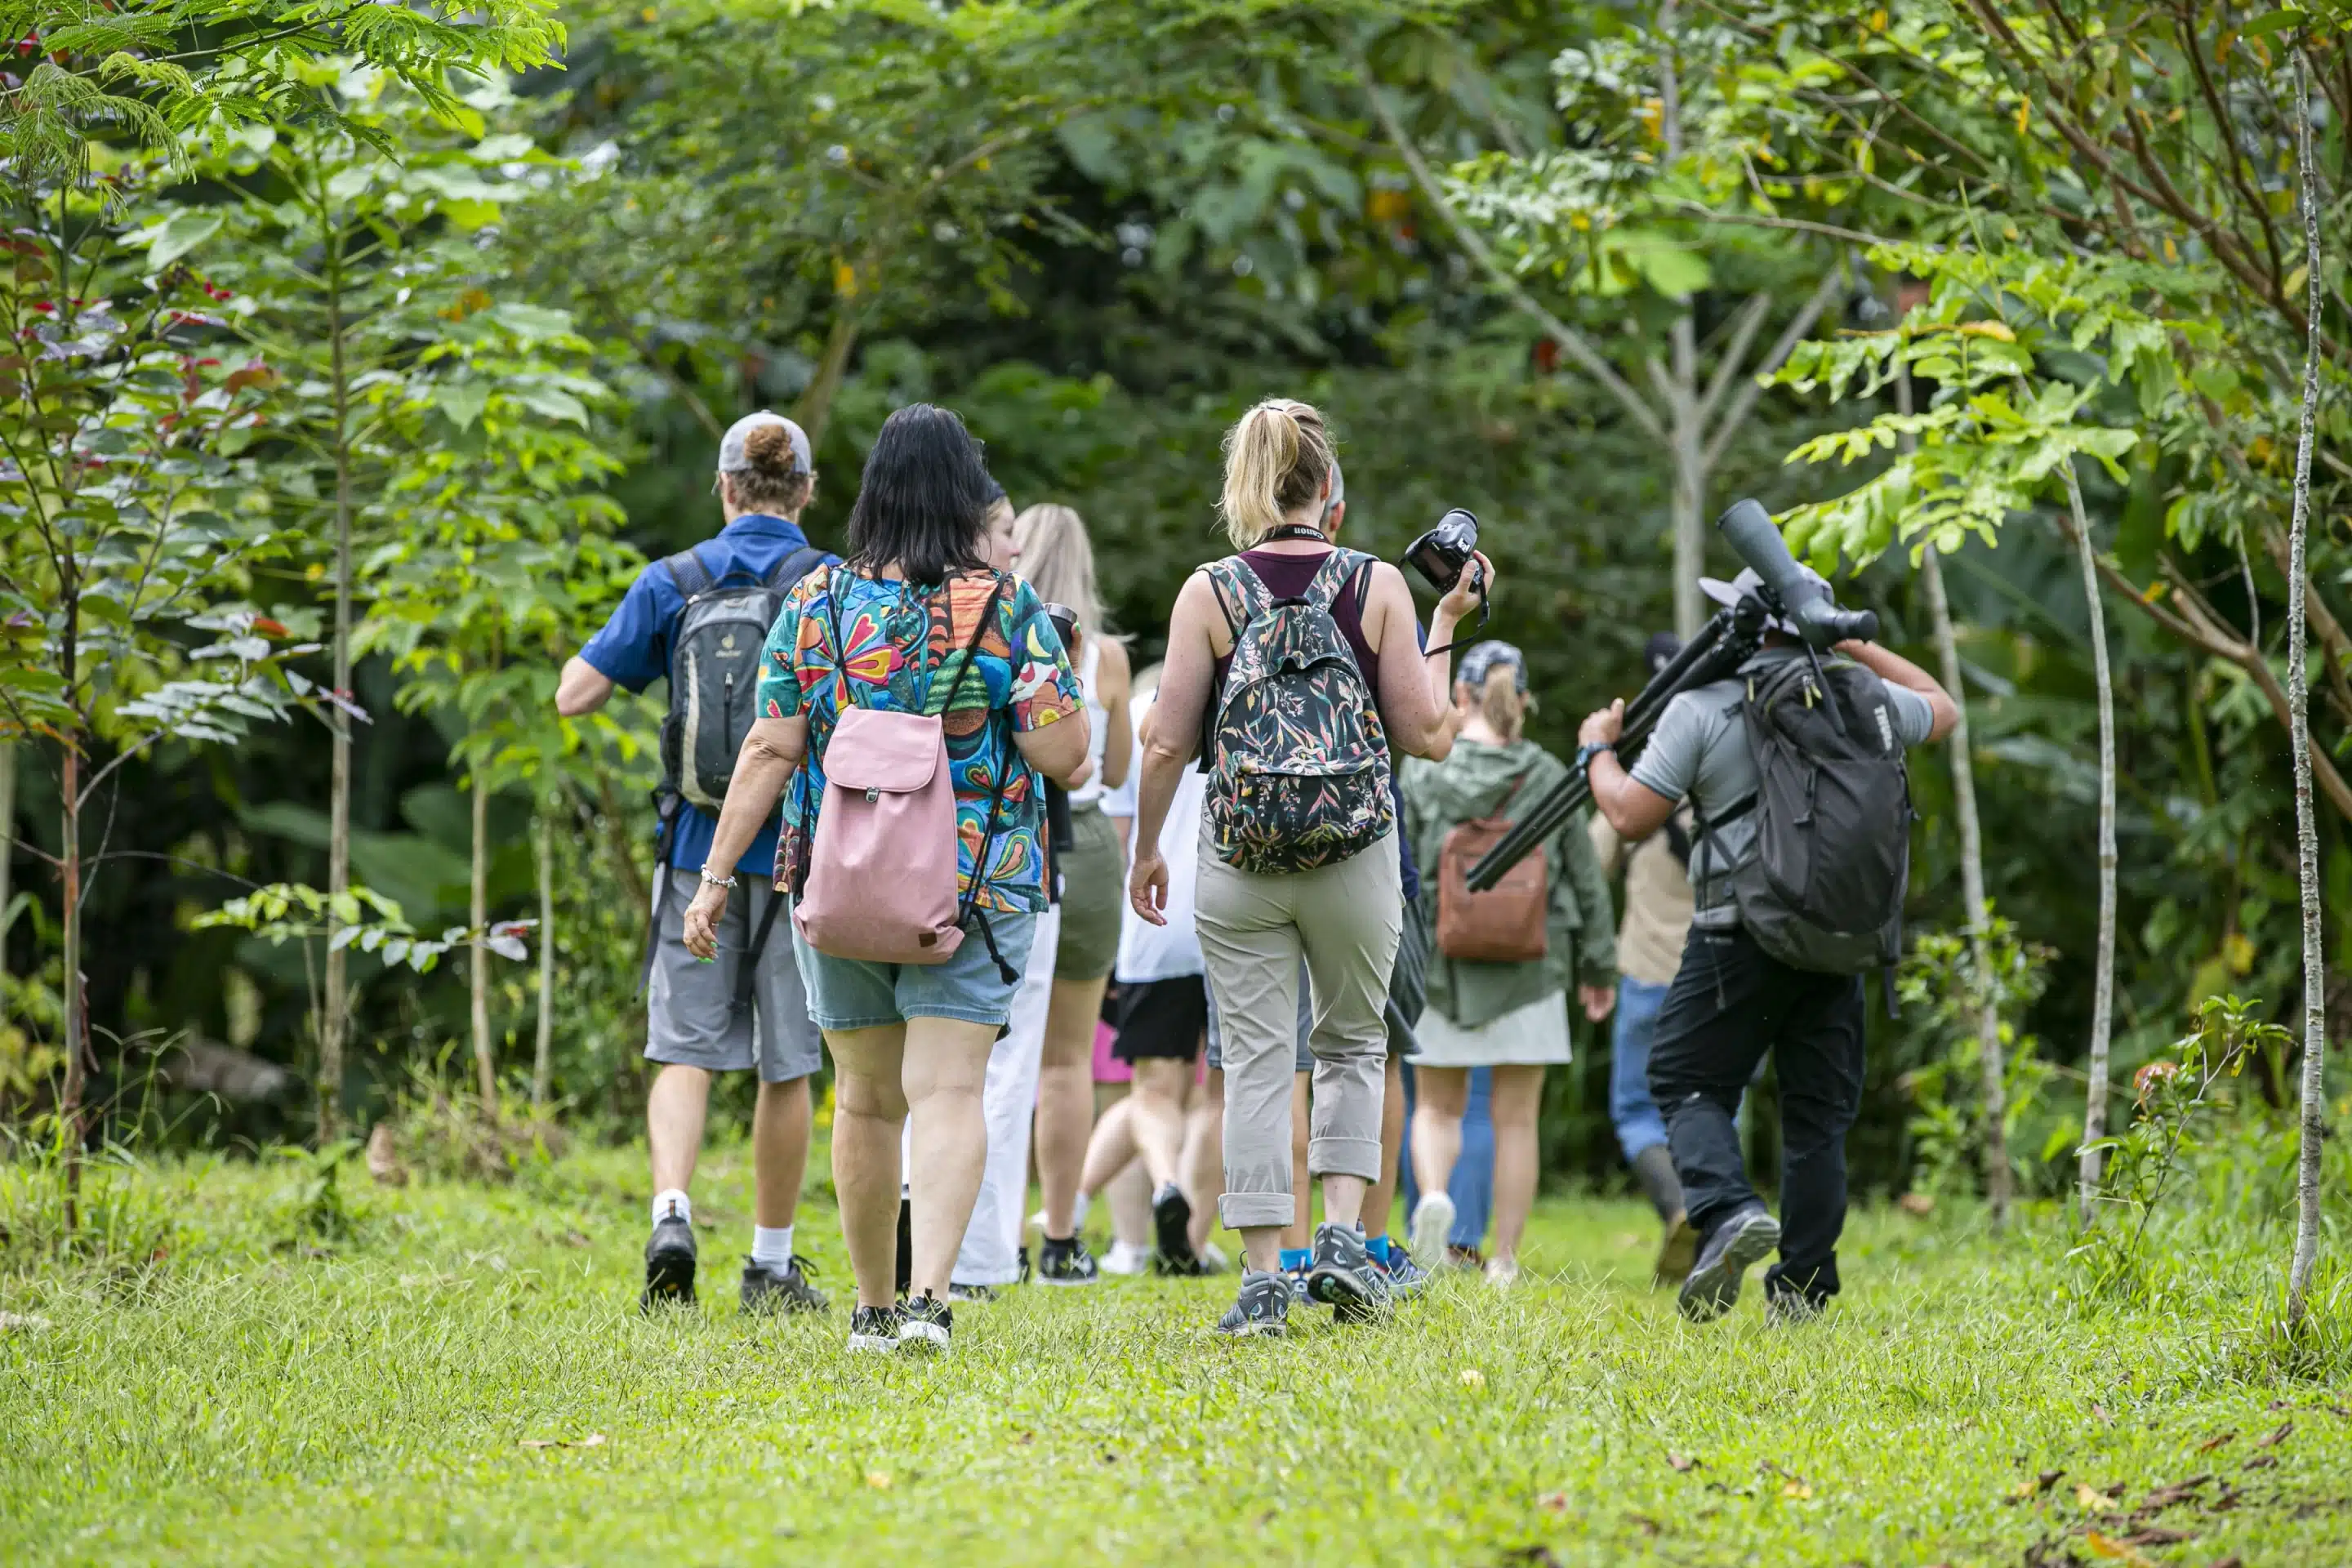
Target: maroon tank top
{"type": "Point", "coordinates": [1286, 577]}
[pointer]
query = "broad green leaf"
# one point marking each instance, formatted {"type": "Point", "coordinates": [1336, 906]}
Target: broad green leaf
{"type": "Point", "coordinates": [182, 233]}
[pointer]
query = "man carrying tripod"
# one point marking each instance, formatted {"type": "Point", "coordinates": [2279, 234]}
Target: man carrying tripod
{"type": "Point", "coordinates": [1794, 769]}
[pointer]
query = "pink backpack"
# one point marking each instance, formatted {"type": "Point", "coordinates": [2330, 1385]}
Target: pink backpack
{"type": "Point", "coordinates": [881, 882]}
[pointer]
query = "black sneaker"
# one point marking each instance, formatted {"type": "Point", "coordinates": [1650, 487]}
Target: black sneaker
{"type": "Point", "coordinates": [874, 1328]}
{"type": "Point", "coordinates": [1067, 1262]}
{"type": "Point", "coordinates": [1792, 1309]}
{"type": "Point", "coordinates": [976, 1294]}
{"type": "Point", "coordinates": [906, 1264]}
{"type": "Point", "coordinates": [1343, 1277]}
{"type": "Point", "coordinates": [784, 1289]}
{"type": "Point", "coordinates": [1263, 1309]}
{"type": "Point", "coordinates": [669, 1265]}
{"type": "Point", "coordinates": [1172, 1234]}
{"type": "Point", "coordinates": [925, 1323]}
{"type": "Point", "coordinates": [1746, 1238]}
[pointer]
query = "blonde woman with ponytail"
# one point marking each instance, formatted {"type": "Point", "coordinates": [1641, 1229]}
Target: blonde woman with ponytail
{"type": "Point", "coordinates": [1342, 911]}
{"type": "Point", "coordinates": [1052, 551]}
{"type": "Point", "coordinates": [1510, 1015]}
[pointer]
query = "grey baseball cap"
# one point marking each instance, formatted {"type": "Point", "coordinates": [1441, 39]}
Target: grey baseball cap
{"type": "Point", "coordinates": [730, 446]}
{"type": "Point", "coordinates": [1748, 582]}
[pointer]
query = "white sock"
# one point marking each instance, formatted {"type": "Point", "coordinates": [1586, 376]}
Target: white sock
{"type": "Point", "coordinates": [672, 1201]}
{"type": "Point", "coordinates": [771, 1248]}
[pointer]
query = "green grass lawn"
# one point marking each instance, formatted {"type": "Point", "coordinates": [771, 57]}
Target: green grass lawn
{"type": "Point", "coordinates": [466, 1379]}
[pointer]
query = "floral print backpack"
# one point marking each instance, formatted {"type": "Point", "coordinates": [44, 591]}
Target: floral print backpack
{"type": "Point", "coordinates": [1297, 761]}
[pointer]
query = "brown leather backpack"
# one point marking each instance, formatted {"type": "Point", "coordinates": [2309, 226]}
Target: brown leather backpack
{"type": "Point", "coordinates": [1505, 924]}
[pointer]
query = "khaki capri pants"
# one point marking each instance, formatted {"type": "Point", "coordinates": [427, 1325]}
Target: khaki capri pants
{"type": "Point", "coordinates": [1345, 919]}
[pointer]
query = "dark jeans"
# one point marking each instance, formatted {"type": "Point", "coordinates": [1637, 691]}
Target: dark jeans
{"type": "Point", "coordinates": [1729, 1005]}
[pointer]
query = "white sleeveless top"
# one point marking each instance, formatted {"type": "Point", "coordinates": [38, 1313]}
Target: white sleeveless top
{"type": "Point", "coordinates": [1098, 723]}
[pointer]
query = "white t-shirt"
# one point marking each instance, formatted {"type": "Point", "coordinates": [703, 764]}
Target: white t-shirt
{"type": "Point", "coordinates": [1147, 952]}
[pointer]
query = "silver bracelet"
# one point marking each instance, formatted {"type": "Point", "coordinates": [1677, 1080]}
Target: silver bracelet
{"type": "Point", "coordinates": [717, 881]}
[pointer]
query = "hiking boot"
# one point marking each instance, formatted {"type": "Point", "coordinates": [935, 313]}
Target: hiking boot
{"type": "Point", "coordinates": [784, 1289]}
{"type": "Point", "coordinates": [977, 1295]}
{"type": "Point", "coordinates": [1263, 1309]}
{"type": "Point", "coordinates": [925, 1323]}
{"type": "Point", "coordinates": [1172, 1234]}
{"type": "Point", "coordinates": [1067, 1262]}
{"type": "Point", "coordinates": [1433, 1222]}
{"type": "Point", "coordinates": [1406, 1278]}
{"type": "Point", "coordinates": [1678, 1250]}
{"type": "Point", "coordinates": [669, 1265]}
{"type": "Point", "coordinates": [1296, 1279]}
{"type": "Point", "coordinates": [1745, 1239]}
{"type": "Point", "coordinates": [874, 1328]}
{"type": "Point", "coordinates": [1343, 1276]}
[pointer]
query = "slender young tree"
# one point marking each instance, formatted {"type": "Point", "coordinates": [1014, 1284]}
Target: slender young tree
{"type": "Point", "coordinates": [543, 1047]}
{"type": "Point", "coordinates": [2103, 977]}
{"type": "Point", "coordinates": [1979, 912]}
{"type": "Point", "coordinates": [2298, 695]}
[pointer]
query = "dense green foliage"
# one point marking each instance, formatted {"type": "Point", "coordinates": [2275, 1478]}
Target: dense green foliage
{"type": "Point", "coordinates": [1480, 235]}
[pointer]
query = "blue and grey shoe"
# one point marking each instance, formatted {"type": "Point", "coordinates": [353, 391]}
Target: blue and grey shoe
{"type": "Point", "coordinates": [1406, 1278]}
{"type": "Point", "coordinates": [1263, 1309]}
{"type": "Point", "coordinates": [1743, 1239]}
{"type": "Point", "coordinates": [1343, 1276]}
{"type": "Point", "coordinates": [669, 1265]}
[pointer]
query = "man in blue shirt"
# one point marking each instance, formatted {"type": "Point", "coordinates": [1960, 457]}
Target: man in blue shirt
{"type": "Point", "coordinates": [700, 1018]}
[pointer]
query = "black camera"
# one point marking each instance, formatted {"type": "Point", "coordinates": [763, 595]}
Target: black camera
{"type": "Point", "coordinates": [1440, 554]}
{"type": "Point", "coordinates": [1065, 624]}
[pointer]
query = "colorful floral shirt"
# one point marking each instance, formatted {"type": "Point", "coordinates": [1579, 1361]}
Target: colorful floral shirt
{"type": "Point", "coordinates": [906, 654]}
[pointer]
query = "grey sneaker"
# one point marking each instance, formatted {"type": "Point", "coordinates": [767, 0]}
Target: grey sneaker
{"type": "Point", "coordinates": [1747, 1237]}
{"type": "Point", "coordinates": [1263, 1309]}
{"type": "Point", "coordinates": [669, 1265]}
{"type": "Point", "coordinates": [784, 1289]}
{"type": "Point", "coordinates": [874, 1328]}
{"type": "Point", "coordinates": [1343, 1276]}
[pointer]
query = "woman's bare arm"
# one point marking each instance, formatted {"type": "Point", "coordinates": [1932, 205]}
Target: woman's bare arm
{"type": "Point", "coordinates": [1416, 690]}
{"type": "Point", "coordinates": [771, 750]}
{"type": "Point", "coordinates": [1174, 736]}
{"type": "Point", "coordinates": [1113, 675]}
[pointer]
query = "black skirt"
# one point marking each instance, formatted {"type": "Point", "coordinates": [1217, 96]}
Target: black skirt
{"type": "Point", "coordinates": [1160, 1019]}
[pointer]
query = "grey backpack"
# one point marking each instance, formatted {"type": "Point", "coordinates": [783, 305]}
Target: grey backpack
{"type": "Point", "coordinates": [1824, 889]}
{"type": "Point", "coordinates": [714, 669]}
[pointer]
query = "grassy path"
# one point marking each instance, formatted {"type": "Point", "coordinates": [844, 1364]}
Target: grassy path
{"type": "Point", "coordinates": [379, 1404]}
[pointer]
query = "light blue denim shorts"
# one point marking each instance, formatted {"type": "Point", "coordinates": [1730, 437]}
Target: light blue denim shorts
{"type": "Point", "coordinates": [852, 993]}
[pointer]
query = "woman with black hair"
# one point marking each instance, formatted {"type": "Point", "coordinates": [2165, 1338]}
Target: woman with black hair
{"type": "Point", "coordinates": [915, 621]}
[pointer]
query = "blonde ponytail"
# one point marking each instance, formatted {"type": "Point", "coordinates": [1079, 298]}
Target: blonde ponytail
{"type": "Point", "coordinates": [1058, 560]}
{"type": "Point", "coordinates": [1277, 459]}
{"type": "Point", "coordinates": [1502, 704]}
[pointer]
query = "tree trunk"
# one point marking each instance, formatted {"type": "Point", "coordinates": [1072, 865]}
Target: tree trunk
{"type": "Point", "coordinates": [815, 406]}
{"type": "Point", "coordinates": [2102, 981]}
{"type": "Point", "coordinates": [77, 1002]}
{"type": "Point", "coordinates": [544, 1047]}
{"type": "Point", "coordinates": [2298, 694]}
{"type": "Point", "coordinates": [335, 1008]}
{"type": "Point", "coordinates": [7, 838]}
{"type": "Point", "coordinates": [1972, 880]}
{"type": "Point", "coordinates": [486, 1062]}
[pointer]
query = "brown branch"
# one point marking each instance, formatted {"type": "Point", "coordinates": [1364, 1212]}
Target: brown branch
{"type": "Point", "coordinates": [2237, 172]}
{"type": "Point", "coordinates": [1752, 387]}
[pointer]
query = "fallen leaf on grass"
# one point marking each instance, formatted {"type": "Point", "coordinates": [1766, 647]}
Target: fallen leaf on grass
{"type": "Point", "coordinates": [879, 1479]}
{"type": "Point", "coordinates": [2215, 1441]}
{"type": "Point", "coordinates": [1684, 1462]}
{"type": "Point", "coordinates": [2117, 1550]}
{"type": "Point", "coordinates": [2179, 1491]}
{"type": "Point", "coordinates": [2158, 1536]}
{"type": "Point", "coordinates": [2275, 1438]}
{"type": "Point", "coordinates": [1553, 1503]}
{"type": "Point", "coordinates": [2089, 1498]}
{"type": "Point", "coordinates": [2034, 1488]}
{"type": "Point", "coordinates": [2261, 1461]}
{"type": "Point", "coordinates": [1919, 1205]}
{"type": "Point", "coordinates": [1026, 1437]}
{"type": "Point", "coordinates": [1795, 1489]}
{"type": "Point", "coordinates": [594, 1440]}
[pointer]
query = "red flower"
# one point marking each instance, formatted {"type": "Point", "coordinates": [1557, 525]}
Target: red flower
{"type": "Point", "coordinates": [268, 627]}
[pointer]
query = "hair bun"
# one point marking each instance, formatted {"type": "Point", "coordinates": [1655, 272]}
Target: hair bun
{"type": "Point", "coordinates": [769, 449]}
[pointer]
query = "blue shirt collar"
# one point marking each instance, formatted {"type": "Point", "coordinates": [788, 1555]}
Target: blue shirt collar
{"type": "Point", "coordinates": [762, 525]}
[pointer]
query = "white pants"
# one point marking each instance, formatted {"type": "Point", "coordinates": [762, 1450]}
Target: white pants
{"type": "Point", "coordinates": [991, 1242]}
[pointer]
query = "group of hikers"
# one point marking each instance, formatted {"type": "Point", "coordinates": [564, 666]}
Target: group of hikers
{"type": "Point", "coordinates": [921, 813]}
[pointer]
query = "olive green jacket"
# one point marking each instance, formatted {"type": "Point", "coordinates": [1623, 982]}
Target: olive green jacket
{"type": "Point", "coordinates": [1581, 938]}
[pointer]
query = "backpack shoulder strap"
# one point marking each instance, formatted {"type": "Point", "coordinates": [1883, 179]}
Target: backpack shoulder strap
{"type": "Point", "coordinates": [788, 572]}
{"type": "Point", "coordinates": [686, 569]}
{"type": "Point", "coordinates": [1241, 592]}
{"type": "Point", "coordinates": [1341, 571]}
